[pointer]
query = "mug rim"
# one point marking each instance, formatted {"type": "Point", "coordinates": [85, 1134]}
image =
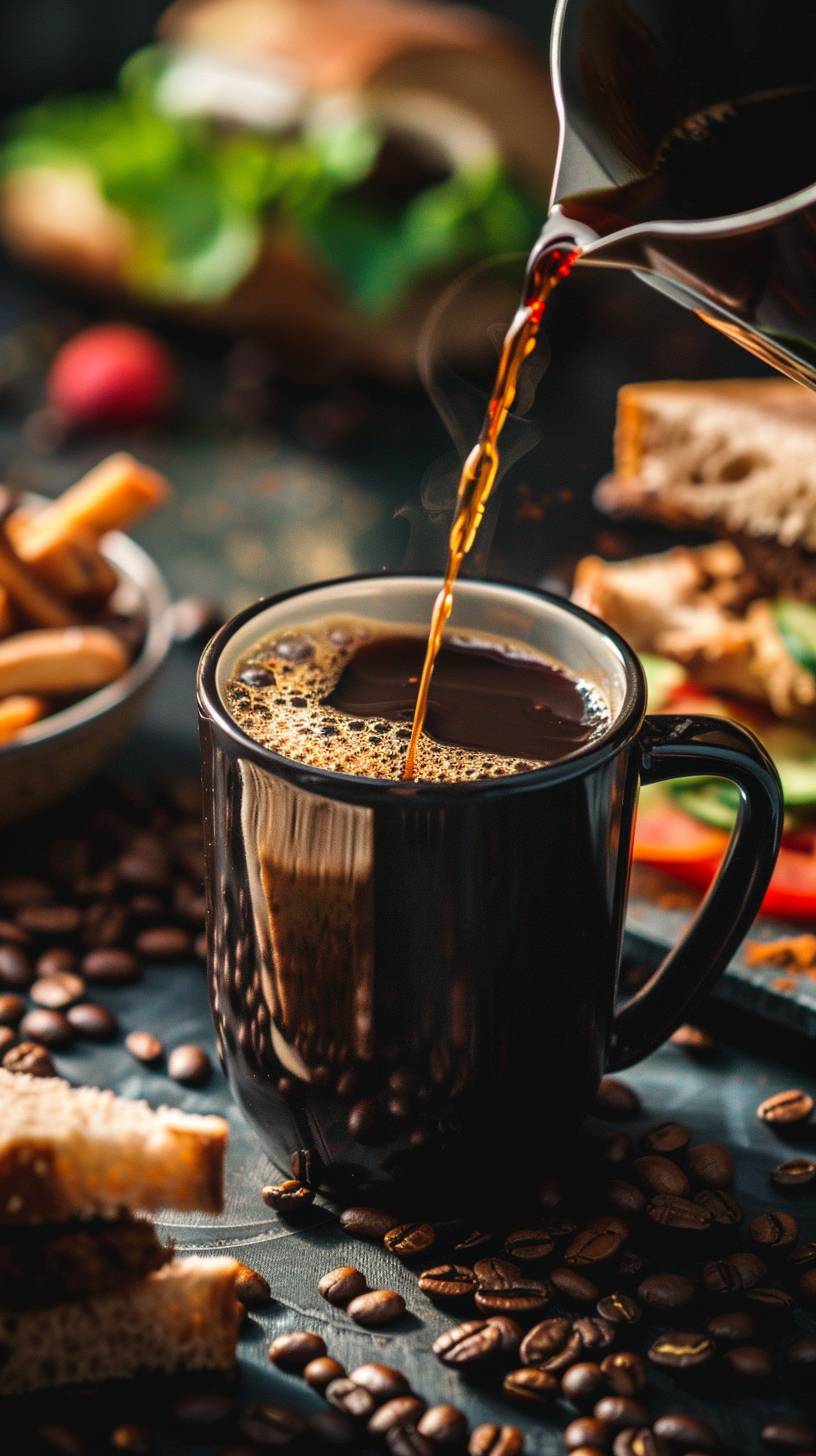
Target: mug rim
{"type": "Point", "coordinates": [335, 783]}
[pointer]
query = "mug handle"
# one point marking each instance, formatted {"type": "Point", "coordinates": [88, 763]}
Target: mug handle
{"type": "Point", "coordinates": [681, 747]}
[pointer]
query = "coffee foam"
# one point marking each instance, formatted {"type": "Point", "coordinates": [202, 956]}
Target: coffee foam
{"type": "Point", "coordinates": [289, 714]}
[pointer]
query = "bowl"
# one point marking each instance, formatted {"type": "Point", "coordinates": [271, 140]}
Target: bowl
{"type": "Point", "coordinates": [54, 756]}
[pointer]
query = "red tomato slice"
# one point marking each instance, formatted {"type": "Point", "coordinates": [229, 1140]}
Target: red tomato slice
{"type": "Point", "coordinates": [665, 835]}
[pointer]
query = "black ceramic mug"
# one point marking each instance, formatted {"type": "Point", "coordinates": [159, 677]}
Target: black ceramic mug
{"type": "Point", "coordinates": [417, 981]}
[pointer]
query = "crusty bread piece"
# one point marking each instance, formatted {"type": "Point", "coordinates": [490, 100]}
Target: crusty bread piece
{"type": "Point", "coordinates": [77, 1152]}
{"type": "Point", "coordinates": [735, 456]}
{"type": "Point", "coordinates": [182, 1318]}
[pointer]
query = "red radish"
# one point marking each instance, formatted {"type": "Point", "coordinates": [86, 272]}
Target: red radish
{"type": "Point", "coordinates": [112, 374]}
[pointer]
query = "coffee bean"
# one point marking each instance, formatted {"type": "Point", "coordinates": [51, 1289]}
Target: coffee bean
{"type": "Point", "coordinates": [134, 1440]}
{"type": "Point", "coordinates": [15, 968]}
{"type": "Point", "coordinates": [403, 1410]}
{"type": "Point", "coordinates": [694, 1041]}
{"type": "Point", "coordinates": [383, 1382]}
{"type": "Point", "coordinates": [365, 1122]}
{"type": "Point", "coordinates": [588, 1431]}
{"type": "Point", "coordinates": [92, 1021]}
{"type": "Point", "coordinates": [189, 1064]}
{"type": "Point", "coordinates": [164, 943]}
{"type": "Point", "coordinates": [57, 991]}
{"type": "Point", "coordinates": [530, 1246]}
{"type": "Point", "coordinates": [366, 1223]}
{"type": "Point", "coordinates": [290, 1198]}
{"type": "Point", "coordinates": [530, 1386]}
{"type": "Point", "coordinates": [721, 1206]}
{"type": "Point", "coordinates": [624, 1371]}
{"type": "Point", "coordinates": [749, 1362]}
{"type": "Point", "coordinates": [600, 1241]}
{"type": "Point", "coordinates": [49, 922]}
{"type": "Point", "coordinates": [769, 1300]}
{"type": "Point", "coordinates": [296, 1348]}
{"type": "Point", "coordinates": [573, 1287]}
{"type": "Point", "coordinates": [789, 1436]}
{"type": "Point", "coordinates": [737, 1272]}
{"type": "Point", "coordinates": [681, 1349]}
{"type": "Point", "coordinates": [7, 1039]}
{"type": "Point", "coordinates": [551, 1340]}
{"type": "Point", "coordinates": [408, 1441]}
{"type": "Point", "coordinates": [616, 1101]}
{"type": "Point", "coordinates": [444, 1426]}
{"type": "Point", "coordinates": [474, 1242]}
{"type": "Point", "coordinates": [510, 1333]}
{"type": "Point", "coordinates": [616, 1148]}
{"type": "Point", "coordinates": [491, 1440]}
{"type": "Point", "coordinates": [409, 1240]}
{"type": "Point", "coordinates": [803, 1256]}
{"type": "Point", "coordinates": [806, 1288]}
{"type": "Point", "coordinates": [49, 1028]}
{"type": "Point", "coordinates": [110, 967]}
{"type": "Point", "coordinates": [58, 960]}
{"type": "Point", "coordinates": [468, 1345]}
{"type": "Point", "coordinates": [145, 1047]}
{"type": "Point", "coordinates": [686, 1432]}
{"type": "Point", "coordinates": [668, 1210]}
{"type": "Point", "coordinates": [271, 1425]}
{"type": "Point", "coordinates": [616, 1412]}
{"type": "Point", "coordinates": [734, 1327]}
{"type": "Point", "coordinates": [330, 1428]}
{"type": "Point", "coordinates": [666, 1292]}
{"type": "Point", "coordinates": [251, 1288]}
{"type": "Point", "coordinates": [666, 1138]}
{"type": "Point", "coordinates": [583, 1384]}
{"type": "Point", "coordinates": [711, 1164]}
{"type": "Point", "coordinates": [17, 891]}
{"type": "Point", "coordinates": [307, 1167]}
{"type": "Point", "coordinates": [619, 1309]}
{"type": "Point", "coordinates": [342, 1285]}
{"type": "Point", "coordinates": [794, 1173]}
{"type": "Point", "coordinates": [31, 1058]}
{"type": "Point", "coordinates": [12, 1008]}
{"type": "Point", "coordinates": [774, 1230]}
{"type": "Point", "coordinates": [640, 1441]}
{"type": "Point", "coordinates": [800, 1360]}
{"type": "Point", "coordinates": [11, 934]}
{"type": "Point", "coordinates": [623, 1197]}
{"type": "Point", "coordinates": [448, 1283]}
{"type": "Point", "coordinates": [524, 1296]}
{"type": "Point", "coordinates": [786, 1108]}
{"type": "Point", "coordinates": [377, 1307]}
{"type": "Point", "coordinates": [660, 1175]}
{"type": "Point", "coordinates": [594, 1333]}
{"type": "Point", "coordinates": [353, 1399]}
{"type": "Point", "coordinates": [322, 1371]}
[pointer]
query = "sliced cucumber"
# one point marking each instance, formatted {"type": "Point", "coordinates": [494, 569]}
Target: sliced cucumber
{"type": "Point", "coordinates": [793, 750]}
{"type": "Point", "coordinates": [663, 677]}
{"type": "Point", "coordinates": [712, 801]}
{"type": "Point", "coordinates": [796, 623]}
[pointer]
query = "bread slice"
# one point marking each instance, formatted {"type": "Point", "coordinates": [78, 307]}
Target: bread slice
{"type": "Point", "coordinates": [51, 1262]}
{"type": "Point", "coordinates": [735, 456]}
{"type": "Point", "coordinates": [182, 1318]}
{"type": "Point", "coordinates": [77, 1152]}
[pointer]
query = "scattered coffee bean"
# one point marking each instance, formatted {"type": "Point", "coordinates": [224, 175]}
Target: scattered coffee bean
{"type": "Point", "coordinates": [490, 1440]}
{"type": "Point", "coordinates": [145, 1047]}
{"type": "Point", "coordinates": [588, 1431]}
{"type": "Point", "coordinates": [583, 1384]}
{"type": "Point", "coordinates": [330, 1428]}
{"type": "Point", "coordinates": [365, 1122]}
{"type": "Point", "coordinates": [251, 1288]}
{"type": "Point", "coordinates": [271, 1425]}
{"type": "Point", "coordinates": [15, 968]}
{"type": "Point", "coordinates": [49, 1028]}
{"type": "Point", "coordinates": [660, 1175]}
{"type": "Point", "coordinates": [110, 967]}
{"type": "Point", "coordinates": [366, 1223]}
{"type": "Point", "coordinates": [806, 1288]}
{"type": "Point", "coordinates": [353, 1399]}
{"type": "Point", "coordinates": [616, 1101]}
{"type": "Point", "coordinates": [377, 1307]}
{"type": "Point", "coordinates": [694, 1041]}
{"type": "Point", "coordinates": [410, 1240]}
{"type": "Point", "coordinates": [734, 1327]}
{"type": "Point", "coordinates": [294, 1350]}
{"type": "Point", "coordinates": [749, 1362]}
{"type": "Point", "coordinates": [473, 1243]}
{"type": "Point", "coordinates": [669, 1211]}
{"type": "Point", "coordinates": [7, 1039]}
{"type": "Point", "coordinates": [12, 1008]}
{"type": "Point", "coordinates": [448, 1283]}
{"type": "Point", "coordinates": [666, 1292]}
{"type": "Point", "coordinates": [57, 991]}
{"type": "Point", "coordinates": [623, 1197]}
{"type": "Point", "coordinates": [164, 943]}
{"type": "Point", "coordinates": [189, 1064]}
{"type": "Point", "coordinates": [408, 1441]}
{"type": "Point", "coordinates": [803, 1256]}
{"type": "Point", "coordinates": [468, 1345]}
{"type": "Point", "coordinates": [383, 1382]}
{"type": "Point", "coordinates": [710, 1164]}
{"type": "Point", "coordinates": [617, 1412]}
{"type": "Point", "coordinates": [523, 1296]}
{"type": "Point", "coordinates": [616, 1148]}
{"type": "Point", "coordinates": [619, 1309]}
{"type": "Point", "coordinates": [510, 1333]}
{"type": "Point", "coordinates": [289, 1198]}
{"type": "Point", "coordinates": [769, 1300]}
{"type": "Point", "coordinates": [306, 1167]}
{"type": "Point", "coordinates": [625, 1372]}
{"type": "Point", "coordinates": [403, 1410]}
{"type": "Point", "coordinates": [794, 1173]}
{"type": "Point", "coordinates": [342, 1285]}
{"type": "Point", "coordinates": [789, 1436]}
{"type": "Point", "coordinates": [681, 1349]}
{"type": "Point", "coordinates": [600, 1241]}
{"type": "Point", "coordinates": [737, 1272]}
{"type": "Point", "coordinates": [774, 1230]}
{"type": "Point", "coordinates": [321, 1371]}
{"type": "Point", "coordinates": [686, 1432]}
{"type": "Point", "coordinates": [530, 1386]}
{"type": "Point", "coordinates": [573, 1287]}
{"type": "Point", "coordinates": [786, 1108]}
{"type": "Point", "coordinates": [444, 1426]}
{"type": "Point", "coordinates": [721, 1206]}
{"type": "Point", "coordinates": [58, 960]}
{"type": "Point", "coordinates": [31, 1058]}
{"type": "Point", "coordinates": [530, 1246]}
{"type": "Point", "coordinates": [49, 922]}
{"type": "Point", "coordinates": [553, 1344]}
{"type": "Point", "coordinates": [639, 1442]}
{"type": "Point", "coordinates": [92, 1021]}
{"type": "Point", "coordinates": [666, 1138]}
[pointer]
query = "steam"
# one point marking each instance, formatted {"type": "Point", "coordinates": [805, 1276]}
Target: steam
{"type": "Point", "coordinates": [460, 403]}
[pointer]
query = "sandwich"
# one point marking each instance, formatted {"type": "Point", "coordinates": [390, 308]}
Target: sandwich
{"type": "Point", "coordinates": [726, 627]}
{"type": "Point", "coordinates": [313, 169]}
{"type": "Point", "coordinates": [88, 1291]}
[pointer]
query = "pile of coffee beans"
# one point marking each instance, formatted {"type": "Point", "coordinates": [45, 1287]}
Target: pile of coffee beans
{"type": "Point", "coordinates": [88, 899]}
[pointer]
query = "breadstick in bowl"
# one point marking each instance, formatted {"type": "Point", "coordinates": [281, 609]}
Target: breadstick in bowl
{"type": "Point", "coordinates": [19, 712]}
{"type": "Point", "coordinates": [60, 663]}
